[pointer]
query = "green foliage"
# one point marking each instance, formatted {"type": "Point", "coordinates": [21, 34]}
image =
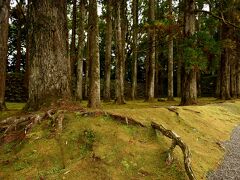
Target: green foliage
{"type": "Point", "coordinates": [197, 49]}
{"type": "Point", "coordinates": [89, 138]}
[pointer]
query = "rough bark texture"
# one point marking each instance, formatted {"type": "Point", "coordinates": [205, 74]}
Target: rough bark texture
{"type": "Point", "coordinates": [238, 70]}
{"type": "Point", "coordinates": [189, 76]}
{"type": "Point", "coordinates": [224, 66]}
{"type": "Point", "coordinates": [179, 69]}
{"type": "Point", "coordinates": [180, 55]}
{"type": "Point", "coordinates": [170, 57]}
{"type": "Point", "coordinates": [108, 52]}
{"type": "Point", "coordinates": [157, 73]}
{"type": "Point", "coordinates": [79, 89]}
{"type": "Point", "coordinates": [87, 70]}
{"type": "Point", "coordinates": [94, 64]}
{"type": "Point", "coordinates": [124, 32]}
{"type": "Point", "coordinates": [26, 75]}
{"type": "Point", "coordinates": [151, 52]}
{"type": "Point", "coordinates": [233, 87]}
{"type": "Point", "coordinates": [19, 54]}
{"type": "Point", "coordinates": [134, 47]}
{"type": "Point", "coordinates": [49, 64]}
{"type": "Point", "coordinates": [73, 52]}
{"type": "Point", "coordinates": [4, 16]}
{"type": "Point", "coordinates": [120, 58]}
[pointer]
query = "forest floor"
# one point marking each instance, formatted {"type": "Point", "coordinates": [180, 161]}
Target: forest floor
{"type": "Point", "coordinates": [102, 148]}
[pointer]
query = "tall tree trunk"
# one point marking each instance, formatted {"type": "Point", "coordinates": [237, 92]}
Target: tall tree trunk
{"type": "Point", "coordinates": [170, 56]}
{"type": "Point", "coordinates": [218, 84]}
{"type": "Point", "coordinates": [224, 66]}
{"type": "Point", "coordinates": [179, 68]}
{"type": "Point", "coordinates": [120, 56]}
{"type": "Point", "coordinates": [157, 67]}
{"type": "Point", "coordinates": [73, 53]}
{"type": "Point", "coordinates": [124, 30]}
{"type": "Point", "coordinates": [26, 74]}
{"type": "Point", "coordinates": [180, 53]}
{"type": "Point", "coordinates": [19, 54]}
{"type": "Point", "coordinates": [49, 65]}
{"type": "Point", "coordinates": [81, 44]}
{"type": "Point", "coordinates": [151, 52]}
{"type": "Point", "coordinates": [86, 83]}
{"type": "Point", "coordinates": [108, 52]}
{"type": "Point", "coordinates": [4, 16]}
{"type": "Point", "coordinates": [225, 76]}
{"type": "Point", "coordinates": [233, 78]}
{"type": "Point", "coordinates": [238, 70]}
{"type": "Point", "coordinates": [135, 49]}
{"type": "Point", "coordinates": [189, 77]}
{"type": "Point", "coordinates": [94, 64]}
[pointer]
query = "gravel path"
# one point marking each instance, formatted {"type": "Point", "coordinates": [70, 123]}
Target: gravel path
{"type": "Point", "coordinates": [230, 167]}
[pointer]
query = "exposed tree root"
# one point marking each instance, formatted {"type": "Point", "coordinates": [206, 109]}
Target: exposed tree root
{"type": "Point", "coordinates": [119, 118]}
{"type": "Point", "coordinates": [14, 128]}
{"type": "Point", "coordinates": [173, 109]}
{"type": "Point", "coordinates": [176, 141]}
{"type": "Point", "coordinates": [191, 110]}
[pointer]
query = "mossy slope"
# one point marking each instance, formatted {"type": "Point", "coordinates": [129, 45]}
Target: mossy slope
{"type": "Point", "coordinates": [101, 148]}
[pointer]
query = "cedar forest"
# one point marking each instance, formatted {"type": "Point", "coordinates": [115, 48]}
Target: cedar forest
{"type": "Point", "coordinates": [116, 56]}
{"type": "Point", "coordinates": [65, 49]}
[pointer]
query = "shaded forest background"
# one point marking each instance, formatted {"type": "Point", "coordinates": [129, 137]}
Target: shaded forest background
{"type": "Point", "coordinates": [145, 49]}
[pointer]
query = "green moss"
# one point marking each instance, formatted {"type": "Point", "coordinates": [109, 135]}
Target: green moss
{"type": "Point", "coordinates": [102, 148]}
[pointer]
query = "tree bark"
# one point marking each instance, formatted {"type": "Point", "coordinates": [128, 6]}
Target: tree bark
{"type": "Point", "coordinates": [238, 71]}
{"type": "Point", "coordinates": [179, 69]}
{"type": "Point", "coordinates": [180, 54]}
{"type": "Point", "coordinates": [157, 81]}
{"type": "Point", "coordinates": [26, 74]}
{"type": "Point", "coordinates": [135, 49]}
{"type": "Point", "coordinates": [224, 66]}
{"type": "Point", "coordinates": [73, 53]}
{"type": "Point", "coordinates": [120, 58]}
{"type": "Point", "coordinates": [189, 74]}
{"type": "Point", "coordinates": [19, 54]}
{"type": "Point", "coordinates": [233, 79]}
{"type": "Point", "coordinates": [4, 16]}
{"type": "Point", "coordinates": [151, 52]}
{"type": "Point", "coordinates": [81, 38]}
{"type": "Point", "coordinates": [49, 64]}
{"type": "Point", "coordinates": [225, 76]}
{"type": "Point", "coordinates": [108, 53]}
{"type": "Point", "coordinates": [94, 64]}
{"type": "Point", "coordinates": [170, 56]}
{"type": "Point", "coordinates": [124, 31]}
{"type": "Point", "coordinates": [86, 88]}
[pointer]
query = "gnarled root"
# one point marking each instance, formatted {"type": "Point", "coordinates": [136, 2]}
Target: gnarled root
{"type": "Point", "coordinates": [176, 141]}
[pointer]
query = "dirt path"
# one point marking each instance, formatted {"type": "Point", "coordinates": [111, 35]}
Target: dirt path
{"type": "Point", "coordinates": [230, 167]}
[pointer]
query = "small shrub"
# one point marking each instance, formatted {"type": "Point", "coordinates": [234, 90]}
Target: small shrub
{"type": "Point", "coordinates": [89, 138]}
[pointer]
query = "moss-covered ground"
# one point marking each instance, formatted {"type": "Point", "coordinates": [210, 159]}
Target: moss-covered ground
{"type": "Point", "coordinates": [102, 148]}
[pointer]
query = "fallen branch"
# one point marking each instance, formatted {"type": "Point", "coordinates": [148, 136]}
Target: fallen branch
{"type": "Point", "coordinates": [176, 141]}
